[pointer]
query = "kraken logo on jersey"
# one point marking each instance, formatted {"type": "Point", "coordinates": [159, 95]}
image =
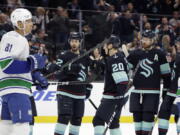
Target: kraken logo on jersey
{"type": "Point", "coordinates": [145, 65]}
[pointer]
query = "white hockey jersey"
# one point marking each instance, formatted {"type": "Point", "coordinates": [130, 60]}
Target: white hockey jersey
{"type": "Point", "coordinates": [13, 46]}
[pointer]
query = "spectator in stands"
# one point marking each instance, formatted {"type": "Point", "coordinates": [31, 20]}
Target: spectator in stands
{"type": "Point", "coordinates": [164, 22]}
{"type": "Point", "coordinates": [175, 20]}
{"type": "Point", "coordinates": [58, 28]}
{"type": "Point", "coordinates": [73, 9]}
{"type": "Point", "coordinates": [130, 7]}
{"type": "Point", "coordinates": [97, 65]}
{"type": "Point", "coordinates": [41, 19]}
{"type": "Point", "coordinates": [124, 27]}
{"type": "Point", "coordinates": [154, 7]}
{"type": "Point", "coordinates": [165, 29]}
{"type": "Point", "coordinates": [42, 39]}
{"type": "Point", "coordinates": [98, 24]}
{"type": "Point", "coordinates": [165, 42]}
{"type": "Point", "coordinates": [119, 5]}
{"type": "Point", "coordinates": [144, 19]}
{"type": "Point", "coordinates": [5, 25]}
{"type": "Point", "coordinates": [166, 7]}
{"type": "Point", "coordinates": [96, 55]}
{"type": "Point", "coordinates": [147, 27]}
{"type": "Point", "coordinates": [103, 5]}
{"type": "Point", "coordinates": [176, 5]}
{"type": "Point", "coordinates": [14, 3]}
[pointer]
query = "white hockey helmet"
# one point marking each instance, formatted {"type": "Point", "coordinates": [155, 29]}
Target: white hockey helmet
{"type": "Point", "coordinates": [20, 14]}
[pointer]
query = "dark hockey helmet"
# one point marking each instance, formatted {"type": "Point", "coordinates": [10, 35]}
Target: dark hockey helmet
{"type": "Point", "coordinates": [115, 41]}
{"type": "Point", "coordinates": [148, 34]}
{"type": "Point", "coordinates": [76, 36]}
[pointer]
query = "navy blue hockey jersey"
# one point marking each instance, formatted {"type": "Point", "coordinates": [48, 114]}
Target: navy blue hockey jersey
{"type": "Point", "coordinates": [116, 78]}
{"type": "Point", "coordinates": [77, 71]}
{"type": "Point", "coordinates": [153, 66]}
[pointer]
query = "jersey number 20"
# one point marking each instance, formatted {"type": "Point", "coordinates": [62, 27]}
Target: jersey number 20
{"type": "Point", "coordinates": [8, 47]}
{"type": "Point", "coordinates": [117, 67]}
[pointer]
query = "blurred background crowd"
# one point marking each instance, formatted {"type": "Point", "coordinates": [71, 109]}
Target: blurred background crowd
{"type": "Point", "coordinates": [96, 20]}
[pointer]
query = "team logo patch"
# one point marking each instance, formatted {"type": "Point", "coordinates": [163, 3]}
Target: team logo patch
{"type": "Point", "coordinates": [147, 69]}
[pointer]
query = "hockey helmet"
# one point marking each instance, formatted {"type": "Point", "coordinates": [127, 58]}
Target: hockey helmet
{"type": "Point", "coordinates": [75, 35]}
{"type": "Point", "coordinates": [115, 41]}
{"type": "Point", "coordinates": [20, 14]}
{"type": "Point", "coordinates": [148, 34]}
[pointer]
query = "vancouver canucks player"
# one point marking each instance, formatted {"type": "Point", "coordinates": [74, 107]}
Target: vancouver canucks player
{"type": "Point", "coordinates": [15, 75]}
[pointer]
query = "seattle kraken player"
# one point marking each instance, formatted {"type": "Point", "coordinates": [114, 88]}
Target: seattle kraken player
{"type": "Point", "coordinates": [71, 98]}
{"type": "Point", "coordinates": [116, 80]}
{"type": "Point", "coordinates": [15, 75]}
{"type": "Point", "coordinates": [165, 110]}
{"type": "Point", "coordinates": [144, 99]}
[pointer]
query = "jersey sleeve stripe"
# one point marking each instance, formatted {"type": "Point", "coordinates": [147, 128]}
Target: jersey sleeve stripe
{"type": "Point", "coordinates": [17, 67]}
{"type": "Point", "coordinates": [178, 91]}
{"type": "Point", "coordinates": [165, 68]}
{"type": "Point", "coordinates": [5, 62]}
{"type": "Point", "coordinates": [130, 65]}
{"type": "Point", "coordinates": [15, 83]}
{"type": "Point", "coordinates": [120, 76]}
{"type": "Point", "coordinates": [171, 94]}
{"type": "Point", "coordinates": [9, 57]}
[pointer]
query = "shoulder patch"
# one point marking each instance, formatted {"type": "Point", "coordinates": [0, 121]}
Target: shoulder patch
{"type": "Point", "coordinates": [156, 57]}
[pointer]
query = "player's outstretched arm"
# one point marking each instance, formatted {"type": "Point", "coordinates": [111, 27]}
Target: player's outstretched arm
{"type": "Point", "coordinates": [13, 66]}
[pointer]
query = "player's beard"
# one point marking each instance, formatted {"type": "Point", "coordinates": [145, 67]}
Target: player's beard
{"type": "Point", "coordinates": [74, 49]}
{"type": "Point", "coordinates": [146, 46]}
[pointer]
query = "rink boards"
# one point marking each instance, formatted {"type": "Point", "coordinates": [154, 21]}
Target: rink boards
{"type": "Point", "coordinates": [47, 106]}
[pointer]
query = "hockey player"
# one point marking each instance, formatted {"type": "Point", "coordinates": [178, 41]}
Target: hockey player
{"type": "Point", "coordinates": [116, 80]}
{"type": "Point", "coordinates": [15, 75]}
{"type": "Point", "coordinates": [71, 98]}
{"type": "Point", "coordinates": [166, 107]}
{"type": "Point", "coordinates": [144, 100]}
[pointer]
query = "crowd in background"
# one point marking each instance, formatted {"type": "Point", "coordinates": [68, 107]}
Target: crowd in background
{"type": "Point", "coordinates": [96, 20]}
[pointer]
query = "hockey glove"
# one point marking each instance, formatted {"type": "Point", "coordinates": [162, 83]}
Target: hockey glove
{"type": "Point", "coordinates": [72, 69]}
{"type": "Point", "coordinates": [37, 61]}
{"type": "Point", "coordinates": [40, 81]}
{"type": "Point", "coordinates": [88, 90]}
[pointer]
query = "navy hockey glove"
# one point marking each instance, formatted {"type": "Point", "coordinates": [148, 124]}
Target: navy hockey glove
{"type": "Point", "coordinates": [37, 61]}
{"type": "Point", "coordinates": [88, 90]}
{"type": "Point", "coordinates": [72, 69]}
{"type": "Point", "coordinates": [40, 81]}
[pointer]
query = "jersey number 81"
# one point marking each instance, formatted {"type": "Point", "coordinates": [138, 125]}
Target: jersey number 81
{"type": "Point", "coordinates": [8, 47]}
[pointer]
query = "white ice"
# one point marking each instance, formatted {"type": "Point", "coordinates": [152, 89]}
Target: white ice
{"type": "Point", "coordinates": [87, 129]}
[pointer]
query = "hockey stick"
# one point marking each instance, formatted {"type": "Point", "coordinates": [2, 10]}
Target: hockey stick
{"type": "Point", "coordinates": [77, 58]}
{"type": "Point", "coordinates": [130, 83]}
{"type": "Point", "coordinates": [155, 120]}
{"type": "Point", "coordinates": [66, 83]}
{"type": "Point", "coordinates": [92, 103]}
{"type": "Point", "coordinates": [178, 121]}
